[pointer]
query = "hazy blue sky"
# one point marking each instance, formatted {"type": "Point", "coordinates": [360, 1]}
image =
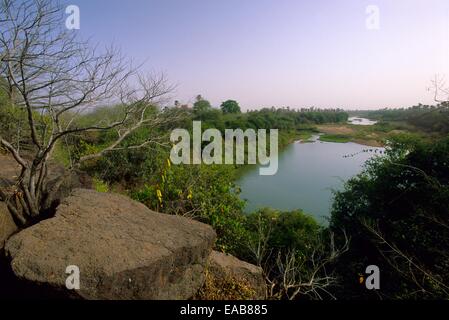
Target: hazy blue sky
{"type": "Point", "coordinates": [281, 52]}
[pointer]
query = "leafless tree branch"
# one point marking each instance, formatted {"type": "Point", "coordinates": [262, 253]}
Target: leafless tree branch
{"type": "Point", "coordinates": [56, 78]}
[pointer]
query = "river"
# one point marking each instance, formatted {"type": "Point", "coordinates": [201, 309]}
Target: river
{"type": "Point", "coordinates": [308, 172]}
{"type": "Point", "coordinates": [361, 121]}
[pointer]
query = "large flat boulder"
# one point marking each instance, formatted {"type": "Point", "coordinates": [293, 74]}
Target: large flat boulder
{"type": "Point", "coordinates": [7, 225]}
{"type": "Point", "coordinates": [122, 249]}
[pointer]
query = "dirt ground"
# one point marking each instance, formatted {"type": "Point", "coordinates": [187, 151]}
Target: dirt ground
{"type": "Point", "coordinates": [9, 169]}
{"type": "Point", "coordinates": [336, 129]}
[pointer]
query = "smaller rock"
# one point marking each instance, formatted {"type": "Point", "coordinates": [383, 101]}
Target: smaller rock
{"type": "Point", "coordinates": [67, 181]}
{"type": "Point", "coordinates": [248, 277]}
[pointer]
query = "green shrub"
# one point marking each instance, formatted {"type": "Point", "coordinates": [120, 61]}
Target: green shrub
{"type": "Point", "coordinates": [206, 193]}
{"type": "Point", "coordinates": [335, 138]}
{"type": "Point", "coordinates": [397, 215]}
{"type": "Point", "coordinates": [100, 185]}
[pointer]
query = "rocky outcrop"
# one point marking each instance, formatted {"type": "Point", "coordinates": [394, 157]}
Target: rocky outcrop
{"type": "Point", "coordinates": [61, 182]}
{"type": "Point", "coordinates": [123, 250]}
{"type": "Point", "coordinates": [7, 225]}
{"type": "Point", "coordinates": [249, 278]}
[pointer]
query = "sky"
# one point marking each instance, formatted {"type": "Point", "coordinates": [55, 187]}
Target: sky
{"type": "Point", "coordinates": [263, 53]}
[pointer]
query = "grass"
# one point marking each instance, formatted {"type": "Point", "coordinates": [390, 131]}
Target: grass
{"type": "Point", "coordinates": [100, 186]}
{"type": "Point", "coordinates": [225, 287]}
{"type": "Point", "coordinates": [374, 135]}
{"type": "Point", "coordinates": [335, 138]}
{"type": "Point", "coordinates": [61, 154]}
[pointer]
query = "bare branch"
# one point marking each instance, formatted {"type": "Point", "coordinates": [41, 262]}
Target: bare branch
{"type": "Point", "coordinates": [55, 79]}
{"type": "Point", "coordinates": [440, 89]}
{"type": "Point", "coordinates": [392, 253]}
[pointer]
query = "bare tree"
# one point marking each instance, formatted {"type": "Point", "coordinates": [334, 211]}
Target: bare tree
{"type": "Point", "coordinates": [440, 89]}
{"type": "Point", "coordinates": [308, 275]}
{"type": "Point", "coordinates": [56, 78]}
{"type": "Point", "coordinates": [290, 272]}
{"type": "Point", "coordinates": [258, 245]}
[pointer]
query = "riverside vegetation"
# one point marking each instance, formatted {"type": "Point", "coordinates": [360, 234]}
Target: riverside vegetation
{"type": "Point", "coordinates": [395, 214]}
{"type": "Point", "coordinates": [300, 257]}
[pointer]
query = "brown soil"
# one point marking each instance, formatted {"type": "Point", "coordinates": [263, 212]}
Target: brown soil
{"type": "Point", "coordinates": [9, 168]}
{"type": "Point", "coordinates": [369, 143]}
{"type": "Point", "coordinates": [335, 129]}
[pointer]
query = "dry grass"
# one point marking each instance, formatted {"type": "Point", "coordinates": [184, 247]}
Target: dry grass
{"type": "Point", "coordinates": [336, 129]}
{"type": "Point", "coordinates": [365, 135]}
{"type": "Point", "coordinates": [227, 288]}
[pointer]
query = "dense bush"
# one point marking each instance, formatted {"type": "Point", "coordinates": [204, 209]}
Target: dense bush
{"type": "Point", "coordinates": [283, 230]}
{"type": "Point", "coordinates": [397, 215]}
{"type": "Point", "coordinates": [206, 193]}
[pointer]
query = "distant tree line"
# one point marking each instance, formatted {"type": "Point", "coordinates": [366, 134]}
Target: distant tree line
{"type": "Point", "coordinates": [229, 116]}
{"type": "Point", "coordinates": [428, 118]}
